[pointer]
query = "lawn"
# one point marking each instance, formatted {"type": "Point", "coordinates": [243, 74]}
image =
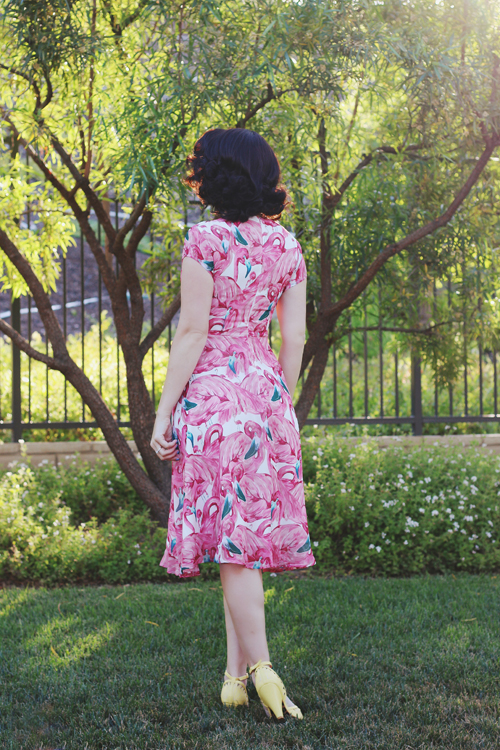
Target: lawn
{"type": "Point", "coordinates": [374, 663]}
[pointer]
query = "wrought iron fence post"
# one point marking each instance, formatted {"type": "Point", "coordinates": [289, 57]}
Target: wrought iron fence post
{"type": "Point", "coordinates": [15, 317]}
{"type": "Point", "coordinates": [416, 395]}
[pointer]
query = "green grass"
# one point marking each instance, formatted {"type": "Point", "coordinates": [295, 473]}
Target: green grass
{"type": "Point", "coordinates": [374, 663]}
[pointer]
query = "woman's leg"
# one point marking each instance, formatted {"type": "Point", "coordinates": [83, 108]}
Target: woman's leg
{"type": "Point", "coordinates": [236, 659]}
{"type": "Point", "coordinates": [245, 619]}
{"type": "Point", "coordinates": [244, 599]}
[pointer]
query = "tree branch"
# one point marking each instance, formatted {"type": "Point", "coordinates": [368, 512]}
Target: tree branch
{"type": "Point", "coordinates": [84, 185]}
{"type": "Point", "coordinates": [415, 236]}
{"type": "Point", "coordinates": [129, 224]}
{"type": "Point", "coordinates": [260, 105]}
{"type": "Point", "coordinates": [159, 327]}
{"type": "Point", "coordinates": [326, 319]}
{"type": "Point", "coordinates": [26, 347]}
{"type": "Point", "coordinates": [425, 331]}
{"type": "Point", "coordinates": [336, 197]}
{"type": "Point", "coordinates": [80, 215]}
{"type": "Point", "coordinates": [40, 296]}
{"type": "Point", "coordinates": [26, 77]}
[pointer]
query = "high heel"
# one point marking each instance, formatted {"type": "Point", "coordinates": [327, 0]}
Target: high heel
{"type": "Point", "coordinates": [272, 692]}
{"type": "Point", "coordinates": [234, 692]}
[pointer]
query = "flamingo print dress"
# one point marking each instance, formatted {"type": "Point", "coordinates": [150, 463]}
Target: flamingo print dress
{"type": "Point", "coordinates": [237, 490]}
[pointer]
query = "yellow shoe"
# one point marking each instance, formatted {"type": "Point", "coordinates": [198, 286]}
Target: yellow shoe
{"type": "Point", "coordinates": [234, 692]}
{"type": "Point", "coordinates": [272, 692]}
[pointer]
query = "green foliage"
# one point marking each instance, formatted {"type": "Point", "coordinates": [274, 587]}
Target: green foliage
{"type": "Point", "coordinates": [398, 512]}
{"type": "Point", "coordinates": [388, 512]}
{"type": "Point", "coordinates": [43, 537]}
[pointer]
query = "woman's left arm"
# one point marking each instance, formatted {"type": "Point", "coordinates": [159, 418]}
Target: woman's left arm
{"type": "Point", "coordinates": [196, 299]}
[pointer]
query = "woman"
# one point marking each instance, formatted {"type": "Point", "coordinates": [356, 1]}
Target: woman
{"type": "Point", "coordinates": [225, 416]}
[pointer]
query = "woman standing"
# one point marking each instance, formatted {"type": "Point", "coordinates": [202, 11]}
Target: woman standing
{"type": "Point", "coordinates": [226, 416]}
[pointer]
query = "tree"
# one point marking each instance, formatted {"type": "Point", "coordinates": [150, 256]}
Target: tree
{"type": "Point", "coordinates": [106, 99]}
{"type": "Point", "coordinates": [369, 106]}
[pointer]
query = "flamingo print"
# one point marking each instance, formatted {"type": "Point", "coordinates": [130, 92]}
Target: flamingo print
{"type": "Point", "coordinates": [237, 490]}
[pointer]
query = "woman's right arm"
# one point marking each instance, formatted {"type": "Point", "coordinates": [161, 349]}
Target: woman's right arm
{"type": "Point", "coordinates": [291, 310]}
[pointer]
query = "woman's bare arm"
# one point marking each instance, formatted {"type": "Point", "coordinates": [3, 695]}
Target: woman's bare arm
{"type": "Point", "coordinates": [291, 311]}
{"type": "Point", "coordinates": [189, 340]}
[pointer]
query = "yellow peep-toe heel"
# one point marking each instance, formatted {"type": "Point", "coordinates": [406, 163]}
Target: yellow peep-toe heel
{"type": "Point", "coordinates": [272, 692]}
{"type": "Point", "coordinates": [234, 692]}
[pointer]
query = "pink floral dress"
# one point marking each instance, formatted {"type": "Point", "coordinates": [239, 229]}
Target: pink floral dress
{"type": "Point", "coordinates": [237, 490]}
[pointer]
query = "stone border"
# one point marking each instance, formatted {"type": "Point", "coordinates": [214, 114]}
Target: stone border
{"type": "Point", "coordinates": [56, 452]}
{"type": "Point", "coordinates": [62, 452]}
{"type": "Point", "coordinates": [490, 442]}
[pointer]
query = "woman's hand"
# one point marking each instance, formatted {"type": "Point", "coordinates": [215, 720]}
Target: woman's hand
{"type": "Point", "coordinates": [162, 442]}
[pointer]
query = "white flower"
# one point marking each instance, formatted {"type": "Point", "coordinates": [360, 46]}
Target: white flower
{"type": "Point", "coordinates": [387, 541]}
{"type": "Point", "coordinates": [139, 552]}
{"type": "Point", "coordinates": [128, 561]}
{"type": "Point", "coordinates": [315, 544]}
{"type": "Point", "coordinates": [371, 546]}
{"type": "Point", "coordinates": [410, 522]}
{"type": "Point", "coordinates": [427, 480]}
{"type": "Point", "coordinates": [405, 541]}
{"type": "Point", "coordinates": [44, 536]}
{"type": "Point", "coordinates": [372, 486]}
{"type": "Point", "coordinates": [422, 510]}
{"type": "Point", "coordinates": [137, 546]}
{"type": "Point", "coordinates": [320, 452]}
{"type": "Point", "coordinates": [378, 549]}
{"type": "Point", "coordinates": [435, 513]}
{"type": "Point", "coordinates": [488, 534]}
{"type": "Point", "coordinates": [474, 479]}
{"type": "Point", "coordinates": [40, 505]}
{"type": "Point", "coordinates": [490, 522]}
{"type": "Point", "coordinates": [56, 533]}
{"type": "Point", "coordinates": [366, 524]}
{"type": "Point", "coordinates": [465, 482]}
{"type": "Point", "coordinates": [93, 541]}
{"type": "Point", "coordinates": [470, 518]}
{"type": "Point", "coordinates": [273, 575]}
{"type": "Point", "coordinates": [383, 535]}
{"type": "Point", "coordinates": [410, 475]}
{"type": "Point", "coordinates": [351, 455]}
{"type": "Point", "coordinates": [343, 489]}
{"type": "Point", "coordinates": [452, 516]}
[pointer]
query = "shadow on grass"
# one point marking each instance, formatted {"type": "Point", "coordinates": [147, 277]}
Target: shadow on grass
{"type": "Point", "coordinates": [373, 663]}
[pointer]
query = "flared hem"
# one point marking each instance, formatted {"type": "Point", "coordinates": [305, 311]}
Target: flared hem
{"type": "Point", "coordinates": [173, 567]}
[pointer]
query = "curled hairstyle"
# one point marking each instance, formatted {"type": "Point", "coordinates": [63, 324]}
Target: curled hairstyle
{"type": "Point", "coordinates": [237, 173]}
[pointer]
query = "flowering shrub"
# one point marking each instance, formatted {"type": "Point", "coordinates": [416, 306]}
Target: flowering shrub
{"type": "Point", "coordinates": [397, 511]}
{"type": "Point", "coordinates": [43, 539]}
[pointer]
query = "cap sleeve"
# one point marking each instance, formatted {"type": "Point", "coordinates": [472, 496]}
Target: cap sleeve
{"type": "Point", "coordinates": [198, 247]}
{"type": "Point", "coordinates": [299, 271]}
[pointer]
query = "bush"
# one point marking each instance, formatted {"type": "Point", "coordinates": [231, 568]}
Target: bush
{"type": "Point", "coordinates": [397, 512]}
{"type": "Point", "coordinates": [377, 512]}
{"type": "Point", "coordinates": [43, 537]}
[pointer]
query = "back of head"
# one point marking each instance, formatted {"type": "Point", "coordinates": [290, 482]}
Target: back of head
{"type": "Point", "coordinates": [237, 173]}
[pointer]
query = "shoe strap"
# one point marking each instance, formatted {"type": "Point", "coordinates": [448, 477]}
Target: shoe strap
{"type": "Point", "coordinates": [260, 664]}
{"type": "Point", "coordinates": [228, 676]}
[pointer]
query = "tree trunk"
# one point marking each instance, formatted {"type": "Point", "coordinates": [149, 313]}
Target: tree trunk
{"type": "Point", "coordinates": [313, 382]}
